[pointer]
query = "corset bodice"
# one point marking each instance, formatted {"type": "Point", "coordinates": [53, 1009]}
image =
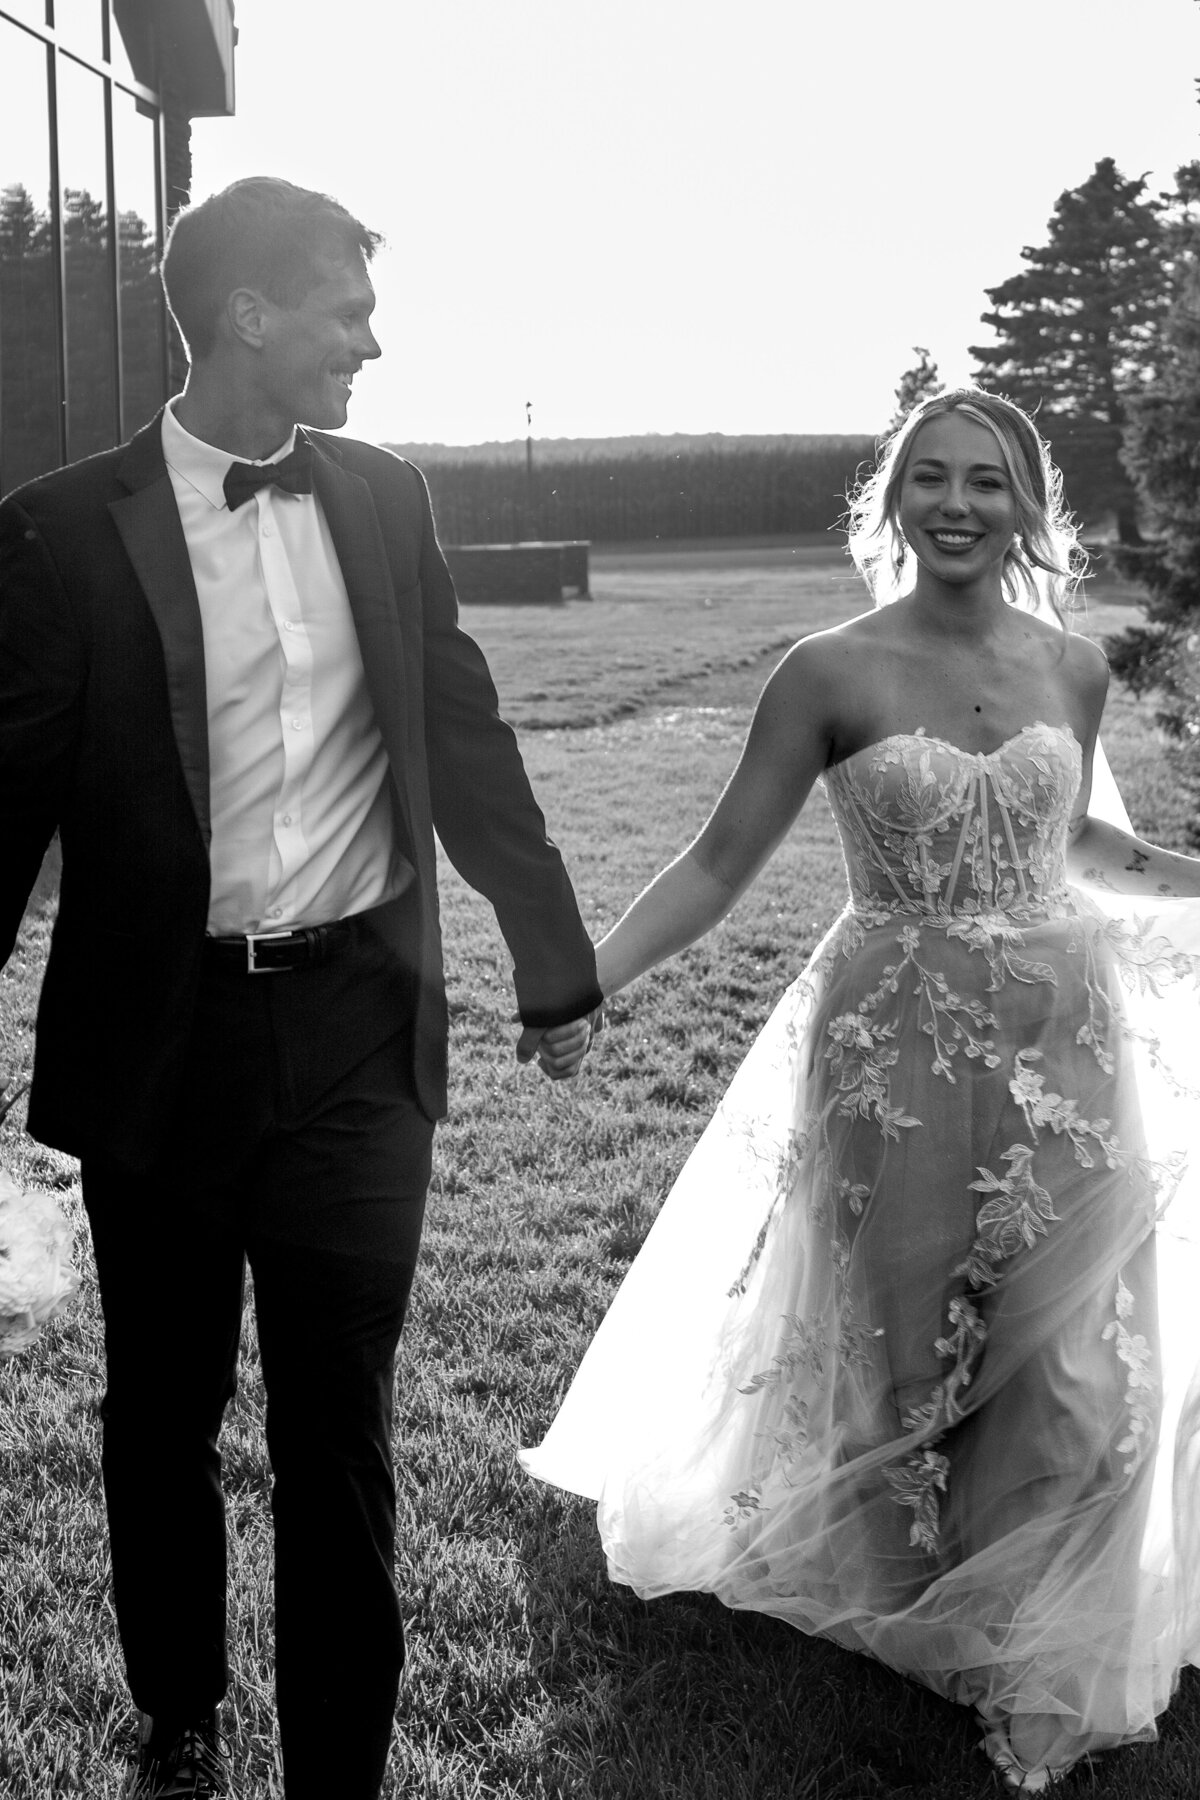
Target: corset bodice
{"type": "Point", "coordinates": [932, 829]}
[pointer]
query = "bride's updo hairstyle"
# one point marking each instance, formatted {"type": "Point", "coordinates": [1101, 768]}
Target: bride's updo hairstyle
{"type": "Point", "coordinates": [1045, 561]}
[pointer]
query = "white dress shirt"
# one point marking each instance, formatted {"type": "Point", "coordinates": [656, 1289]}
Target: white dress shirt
{"type": "Point", "coordinates": [302, 829]}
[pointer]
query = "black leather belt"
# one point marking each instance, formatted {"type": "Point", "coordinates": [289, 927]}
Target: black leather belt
{"type": "Point", "coordinates": [278, 952]}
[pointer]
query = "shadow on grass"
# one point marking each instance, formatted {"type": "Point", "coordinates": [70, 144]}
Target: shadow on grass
{"type": "Point", "coordinates": [681, 1697]}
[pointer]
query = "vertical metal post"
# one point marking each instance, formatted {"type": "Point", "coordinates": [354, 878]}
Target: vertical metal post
{"type": "Point", "coordinates": [58, 236]}
{"type": "Point", "coordinates": [114, 252]}
{"type": "Point", "coordinates": [529, 525]}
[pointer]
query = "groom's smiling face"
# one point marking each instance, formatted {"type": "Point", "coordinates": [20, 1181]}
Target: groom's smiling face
{"type": "Point", "coordinates": [311, 352]}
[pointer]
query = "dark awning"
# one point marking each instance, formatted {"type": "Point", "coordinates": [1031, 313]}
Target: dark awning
{"type": "Point", "coordinates": [183, 49]}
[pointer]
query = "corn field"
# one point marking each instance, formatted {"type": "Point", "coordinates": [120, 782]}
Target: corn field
{"type": "Point", "coordinates": [614, 490]}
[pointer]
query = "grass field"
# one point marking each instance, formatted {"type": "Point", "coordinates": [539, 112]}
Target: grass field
{"type": "Point", "coordinates": [530, 1676]}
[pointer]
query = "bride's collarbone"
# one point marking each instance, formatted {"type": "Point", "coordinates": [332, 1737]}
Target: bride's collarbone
{"type": "Point", "coordinates": [976, 702]}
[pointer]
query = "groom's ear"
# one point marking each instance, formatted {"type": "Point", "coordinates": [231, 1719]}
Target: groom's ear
{"type": "Point", "coordinates": [248, 314]}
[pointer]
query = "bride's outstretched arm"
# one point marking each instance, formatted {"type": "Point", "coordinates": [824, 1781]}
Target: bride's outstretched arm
{"type": "Point", "coordinates": [1101, 850]}
{"type": "Point", "coordinates": [681, 904]}
{"type": "Point", "coordinates": [786, 749]}
{"type": "Point", "coordinates": [1103, 855]}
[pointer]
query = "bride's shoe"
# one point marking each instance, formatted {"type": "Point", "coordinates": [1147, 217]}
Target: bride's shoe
{"type": "Point", "coordinates": [1020, 1780]}
{"type": "Point", "coordinates": [1033, 1781]}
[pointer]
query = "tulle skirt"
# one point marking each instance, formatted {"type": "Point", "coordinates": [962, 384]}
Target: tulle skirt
{"type": "Point", "coordinates": [910, 1357]}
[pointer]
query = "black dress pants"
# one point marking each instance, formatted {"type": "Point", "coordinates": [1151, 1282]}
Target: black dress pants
{"type": "Point", "coordinates": [297, 1147]}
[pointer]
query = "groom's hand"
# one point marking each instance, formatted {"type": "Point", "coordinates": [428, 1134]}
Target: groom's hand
{"type": "Point", "coordinates": [559, 1049]}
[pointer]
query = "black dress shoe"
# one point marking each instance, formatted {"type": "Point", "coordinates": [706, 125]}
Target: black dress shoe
{"type": "Point", "coordinates": [179, 1762]}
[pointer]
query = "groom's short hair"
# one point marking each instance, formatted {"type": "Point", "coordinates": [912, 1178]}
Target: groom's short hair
{"type": "Point", "coordinates": [261, 233]}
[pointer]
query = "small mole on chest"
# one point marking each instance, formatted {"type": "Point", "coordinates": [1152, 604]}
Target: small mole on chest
{"type": "Point", "coordinates": [979, 709]}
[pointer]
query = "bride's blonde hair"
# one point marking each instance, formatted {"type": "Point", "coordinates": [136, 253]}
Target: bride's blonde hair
{"type": "Point", "coordinates": [1045, 558]}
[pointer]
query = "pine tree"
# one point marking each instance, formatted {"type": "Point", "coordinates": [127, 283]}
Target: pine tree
{"type": "Point", "coordinates": [1162, 454]}
{"type": "Point", "coordinates": [916, 384]}
{"type": "Point", "coordinates": [1078, 333]}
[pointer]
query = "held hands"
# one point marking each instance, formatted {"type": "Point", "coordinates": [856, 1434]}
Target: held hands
{"type": "Point", "coordinates": [560, 1049]}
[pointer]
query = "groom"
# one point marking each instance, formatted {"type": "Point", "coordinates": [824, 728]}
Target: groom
{"type": "Point", "coordinates": [232, 678]}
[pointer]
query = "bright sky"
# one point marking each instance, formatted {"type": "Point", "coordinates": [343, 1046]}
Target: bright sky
{"type": "Point", "coordinates": [674, 215]}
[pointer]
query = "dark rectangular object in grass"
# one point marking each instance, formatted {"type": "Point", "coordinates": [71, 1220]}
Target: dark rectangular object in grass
{"type": "Point", "coordinates": [517, 574]}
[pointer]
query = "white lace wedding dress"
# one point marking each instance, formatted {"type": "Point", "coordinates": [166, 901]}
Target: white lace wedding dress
{"type": "Point", "coordinates": [910, 1357]}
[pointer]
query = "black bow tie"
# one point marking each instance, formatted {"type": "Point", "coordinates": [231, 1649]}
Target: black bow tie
{"type": "Point", "coordinates": [293, 474]}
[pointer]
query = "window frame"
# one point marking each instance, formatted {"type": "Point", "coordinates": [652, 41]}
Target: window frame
{"type": "Point", "coordinates": [150, 104]}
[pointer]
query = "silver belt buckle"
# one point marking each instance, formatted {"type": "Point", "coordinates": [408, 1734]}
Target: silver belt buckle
{"type": "Point", "coordinates": [253, 939]}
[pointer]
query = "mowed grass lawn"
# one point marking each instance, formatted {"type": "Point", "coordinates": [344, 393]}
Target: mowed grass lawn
{"type": "Point", "coordinates": [529, 1675]}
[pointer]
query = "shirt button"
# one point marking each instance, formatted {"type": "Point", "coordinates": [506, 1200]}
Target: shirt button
{"type": "Point", "coordinates": [289, 624]}
{"type": "Point", "coordinates": [268, 530]}
{"type": "Point", "coordinates": [287, 818]}
{"type": "Point", "coordinates": [276, 912]}
{"type": "Point", "coordinates": [297, 724]}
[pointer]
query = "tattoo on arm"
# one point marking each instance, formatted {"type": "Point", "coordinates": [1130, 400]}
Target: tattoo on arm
{"type": "Point", "coordinates": [1137, 862]}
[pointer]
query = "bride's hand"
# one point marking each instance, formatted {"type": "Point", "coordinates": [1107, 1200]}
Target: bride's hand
{"type": "Point", "coordinates": [560, 1049]}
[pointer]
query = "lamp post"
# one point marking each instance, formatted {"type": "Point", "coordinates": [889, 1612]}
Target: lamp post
{"type": "Point", "coordinates": [529, 531]}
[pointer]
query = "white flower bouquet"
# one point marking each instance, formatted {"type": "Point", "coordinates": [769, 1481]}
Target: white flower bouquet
{"type": "Point", "coordinates": [36, 1276]}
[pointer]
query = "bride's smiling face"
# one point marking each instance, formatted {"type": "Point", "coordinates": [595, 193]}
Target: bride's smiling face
{"type": "Point", "coordinates": [957, 509]}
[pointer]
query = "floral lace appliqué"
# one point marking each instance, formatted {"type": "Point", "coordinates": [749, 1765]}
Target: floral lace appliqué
{"type": "Point", "coordinates": [917, 1484]}
{"type": "Point", "coordinates": [1028, 1089]}
{"type": "Point", "coordinates": [1141, 1389]}
{"type": "Point", "coordinates": [1019, 1212]}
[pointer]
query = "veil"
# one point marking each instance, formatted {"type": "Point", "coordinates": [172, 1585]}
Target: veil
{"type": "Point", "coordinates": [1106, 802]}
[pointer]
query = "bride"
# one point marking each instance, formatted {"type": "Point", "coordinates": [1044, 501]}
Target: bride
{"type": "Point", "coordinates": [908, 1357]}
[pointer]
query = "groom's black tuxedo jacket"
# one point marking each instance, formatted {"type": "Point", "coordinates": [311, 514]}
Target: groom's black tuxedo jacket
{"type": "Point", "coordinates": [103, 735]}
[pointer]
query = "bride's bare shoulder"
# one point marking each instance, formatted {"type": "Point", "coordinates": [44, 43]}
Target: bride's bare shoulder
{"type": "Point", "coordinates": [833, 653]}
{"type": "Point", "coordinates": [1082, 661]}
{"type": "Point", "coordinates": [828, 677]}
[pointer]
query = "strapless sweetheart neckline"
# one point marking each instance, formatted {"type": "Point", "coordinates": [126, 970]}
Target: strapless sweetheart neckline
{"type": "Point", "coordinates": [925, 737]}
